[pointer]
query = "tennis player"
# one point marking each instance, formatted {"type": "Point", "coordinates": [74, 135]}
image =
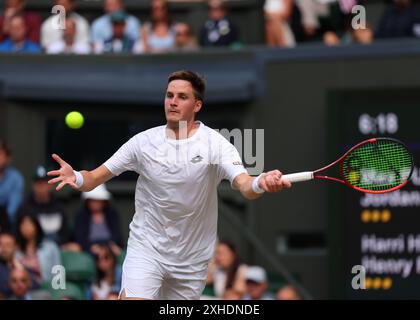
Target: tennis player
{"type": "Point", "coordinates": [180, 164]}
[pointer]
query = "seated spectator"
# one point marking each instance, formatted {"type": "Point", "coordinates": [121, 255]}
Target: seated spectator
{"type": "Point", "coordinates": [32, 20]}
{"type": "Point", "coordinates": [118, 42]}
{"type": "Point", "coordinates": [4, 220]}
{"type": "Point", "coordinates": [8, 261]}
{"type": "Point", "coordinates": [288, 292]}
{"type": "Point", "coordinates": [97, 222]}
{"type": "Point", "coordinates": [20, 284]}
{"type": "Point", "coordinates": [51, 34]}
{"type": "Point", "coordinates": [108, 273]}
{"type": "Point", "coordinates": [37, 254]}
{"type": "Point", "coordinates": [401, 19]}
{"type": "Point", "coordinates": [159, 34]}
{"type": "Point", "coordinates": [319, 17]}
{"type": "Point", "coordinates": [256, 284]}
{"type": "Point", "coordinates": [184, 39]}
{"type": "Point", "coordinates": [218, 30]}
{"type": "Point", "coordinates": [11, 183]}
{"type": "Point", "coordinates": [68, 44]}
{"type": "Point", "coordinates": [228, 272]}
{"type": "Point", "coordinates": [18, 41]}
{"type": "Point", "coordinates": [102, 28]}
{"type": "Point", "coordinates": [42, 204]}
{"type": "Point", "coordinates": [277, 14]}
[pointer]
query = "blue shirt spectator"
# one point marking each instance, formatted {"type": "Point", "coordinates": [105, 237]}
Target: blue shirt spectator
{"type": "Point", "coordinates": [26, 47]}
{"type": "Point", "coordinates": [118, 42]}
{"type": "Point", "coordinates": [11, 183]}
{"type": "Point", "coordinates": [102, 26]}
{"type": "Point", "coordinates": [18, 42]}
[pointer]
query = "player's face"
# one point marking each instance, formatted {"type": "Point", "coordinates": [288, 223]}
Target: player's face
{"type": "Point", "coordinates": [180, 102]}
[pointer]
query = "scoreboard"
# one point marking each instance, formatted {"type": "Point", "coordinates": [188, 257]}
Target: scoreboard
{"type": "Point", "coordinates": [380, 232]}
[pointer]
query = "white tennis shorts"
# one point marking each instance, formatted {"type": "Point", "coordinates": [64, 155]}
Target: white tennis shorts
{"type": "Point", "coordinates": [145, 277]}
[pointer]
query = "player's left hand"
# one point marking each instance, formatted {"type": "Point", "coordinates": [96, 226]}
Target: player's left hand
{"type": "Point", "coordinates": [272, 181]}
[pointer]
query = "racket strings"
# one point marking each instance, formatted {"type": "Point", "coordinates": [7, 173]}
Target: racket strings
{"type": "Point", "coordinates": [378, 166]}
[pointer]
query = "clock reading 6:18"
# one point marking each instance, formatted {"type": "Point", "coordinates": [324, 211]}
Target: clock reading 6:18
{"type": "Point", "coordinates": [383, 123]}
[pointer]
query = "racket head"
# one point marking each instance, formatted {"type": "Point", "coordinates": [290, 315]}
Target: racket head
{"type": "Point", "coordinates": [377, 165]}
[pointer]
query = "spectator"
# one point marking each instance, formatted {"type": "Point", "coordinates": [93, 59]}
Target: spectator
{"type": "Point", "coordinates": [218, 30]}
{"type": "Point", "coordinates": [32, 20]}
{"type": "Point", "coordinates": [4, 220]}
{"type": "Point", "coordinates": [51, 34]}
{"type": "Point", "coordinates": [20, 284]}
{"type": "Point", "coordinates": [102, 28]}
{"type": "Point", "coordinates": [68, 43]}
{"type": "Point", "coordinates": [401, 19]}
{"type": "Point", "coordinates": [97, 222]}
{"type": "Point", "coordinates": [18, 41]}
{"type": "Point", "coordinates": [118, 42]}
{"type": "Point", "coordinates": [37, 254]}
{"type": "Point", "coordinates": [42, 204]}
{"type": "Point", "coordinates": [227, 273]}
{"type": "Point", "coordinates": [108, 273]}
{"type": "Point", "coordinates": [159, 34]}
{"type": "Point", "coordinates": [256, 284]}
{"type": "Point", "coordinates": [11, 183]}
{"type": "Point", "coordinates": [319, 17]}
{"type": "Point", "coordinates": [8, 261]}
{"type": "Point", "coordinates": [288, 292]}
{"type": "Point", "coordinates": [184, 39]}
{"type": "Point", "coordinates": [277, 14]}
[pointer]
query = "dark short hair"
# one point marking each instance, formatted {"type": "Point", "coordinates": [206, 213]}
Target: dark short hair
{"type": "Point", "coordinates": [5, 147]}
{"type": "Point", "coordinates": [197, 82]}
{"type": "Point", "coordinates": [22, 242]}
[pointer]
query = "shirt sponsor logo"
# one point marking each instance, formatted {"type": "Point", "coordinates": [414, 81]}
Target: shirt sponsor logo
{"type": "Point", "coordinates": [197, 159]}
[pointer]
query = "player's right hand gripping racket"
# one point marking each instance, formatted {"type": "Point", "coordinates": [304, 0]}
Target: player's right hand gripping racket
{"type": "Point", "coordinates": [376, 165]}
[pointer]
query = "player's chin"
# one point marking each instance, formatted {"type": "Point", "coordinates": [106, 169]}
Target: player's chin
{"type": "Point", "coordinates": [173, 117]}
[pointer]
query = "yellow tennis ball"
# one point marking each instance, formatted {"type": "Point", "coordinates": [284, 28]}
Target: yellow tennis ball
{"type": "Point", "coordinates": [74, 120]}
{"type": "Point", "coordinates": [354, 177]}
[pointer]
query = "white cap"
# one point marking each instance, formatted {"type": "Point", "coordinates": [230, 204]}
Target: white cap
{"type": "Point", "coordinates": [99, 193]}
{"type": "Point", "coordinates": [256, 274]}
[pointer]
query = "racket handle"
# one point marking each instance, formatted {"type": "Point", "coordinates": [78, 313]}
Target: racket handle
{"type": "Point", "coordinates": [299, 177]}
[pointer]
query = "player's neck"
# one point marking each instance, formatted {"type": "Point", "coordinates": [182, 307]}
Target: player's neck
{"type": "Point", "coordinates": [181, 130]}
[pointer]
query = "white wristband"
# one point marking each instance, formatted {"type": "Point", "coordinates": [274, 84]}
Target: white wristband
{"type": "Point", "coordinates": [255, 187]}
{"type": "Point", "coordinates": [79, 179]}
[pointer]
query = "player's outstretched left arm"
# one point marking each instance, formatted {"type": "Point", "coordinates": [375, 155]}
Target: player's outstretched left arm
{"type": "Point", "coordinates": [251, 188]}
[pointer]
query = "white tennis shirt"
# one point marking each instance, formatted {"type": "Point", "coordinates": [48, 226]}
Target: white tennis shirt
{"type": "Point", "coordinates": [176, 193]}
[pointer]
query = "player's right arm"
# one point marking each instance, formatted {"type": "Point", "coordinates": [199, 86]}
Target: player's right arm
{"type": "Point", "coordinates": [66, 176]}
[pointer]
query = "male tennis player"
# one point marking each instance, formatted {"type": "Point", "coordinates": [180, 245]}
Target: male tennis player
{"type": "Point", "coordinates": [173, 232]}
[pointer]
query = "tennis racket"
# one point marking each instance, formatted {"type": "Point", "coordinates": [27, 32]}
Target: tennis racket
{"type": "Point", "coordinates": [376, 165]}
